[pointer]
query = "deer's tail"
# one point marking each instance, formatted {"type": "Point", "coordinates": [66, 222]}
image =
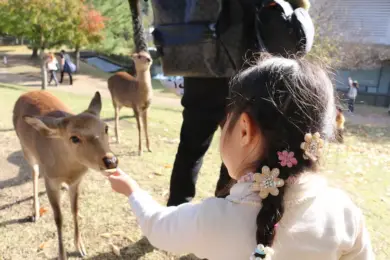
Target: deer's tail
{"type": "Point", "coordinates": [138, 28]}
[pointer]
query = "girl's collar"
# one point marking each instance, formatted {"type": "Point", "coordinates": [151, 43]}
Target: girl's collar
{"type": "Point", "coordinates": [298, 190]}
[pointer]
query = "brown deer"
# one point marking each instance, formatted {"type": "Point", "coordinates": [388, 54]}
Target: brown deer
{"type": "Point", "coordinates": [61, 146]}
{"type": "Point", "coordinates": [135, 92]}
{"type": "Point", "coordinates": [127, 91]}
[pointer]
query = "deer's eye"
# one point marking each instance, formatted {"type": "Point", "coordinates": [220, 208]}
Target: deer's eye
{"type": "Point", "coordinates": [75, 139]}
{"type": "Point", "coordinates": [106, 130]}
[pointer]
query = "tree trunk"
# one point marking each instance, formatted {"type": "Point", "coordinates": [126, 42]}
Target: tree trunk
{"type": "Point", "coordinates": [34, 53]}
{"type": "Point", "coordinates": [43, 69]}
{"type": "Point", "coordinates": [77, 53]}
{"type": "Point", "coordinates": [22, 40]}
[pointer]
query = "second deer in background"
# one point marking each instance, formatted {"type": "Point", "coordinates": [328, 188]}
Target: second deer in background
{"type": "Point", "coordinates": [135, 92]}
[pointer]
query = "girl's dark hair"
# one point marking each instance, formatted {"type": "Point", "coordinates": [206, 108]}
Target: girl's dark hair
{"type": "Point", "coordinates": [286, 98]}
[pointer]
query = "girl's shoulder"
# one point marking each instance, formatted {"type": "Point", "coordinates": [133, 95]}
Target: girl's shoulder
{"type": "Point", "coordinates": [338, 202]}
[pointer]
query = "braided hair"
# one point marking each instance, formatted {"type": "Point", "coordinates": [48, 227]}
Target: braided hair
{"type": "Point", "coordinates": [286, 98]}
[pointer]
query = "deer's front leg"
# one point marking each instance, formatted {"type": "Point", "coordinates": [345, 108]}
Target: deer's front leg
{"type": "Point", "coordinates": [53, 189]}
{"type": "Point", "coordinates": [35, 190]}
{"type": "Point", "coordinates": [145, 126]}
{"type": "Point", "coordinates": [74, 199]}
{"type": "Point", "coordinates": [117, 109]}
{"type": "Point", "coordinates": [137, 117]}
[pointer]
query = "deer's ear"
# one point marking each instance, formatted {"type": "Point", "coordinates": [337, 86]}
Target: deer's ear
{"type": "Point", "coordinates": [96, 105]}
{"type": "Point", "coordinates": [46, 126]}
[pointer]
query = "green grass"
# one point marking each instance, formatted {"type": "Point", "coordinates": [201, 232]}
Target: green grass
{"type": "Point", "coordinates": [360, 166]}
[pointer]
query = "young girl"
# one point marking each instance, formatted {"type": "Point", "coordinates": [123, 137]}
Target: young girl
{"type": "Point", "coordinates": [52, 64]}
{"type": "Point", "coordinates": [279, 114]}
{"type": "Point", "coordinates": [340, 121]}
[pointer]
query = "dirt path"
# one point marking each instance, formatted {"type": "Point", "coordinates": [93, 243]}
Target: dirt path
{"type": "Point", "coordinates": [82, 84]}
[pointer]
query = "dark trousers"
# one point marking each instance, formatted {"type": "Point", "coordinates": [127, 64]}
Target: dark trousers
{"type": "Point", "coordinates": [53, 76]}
{"type": "Point", "coordinates": [351, 104]}
{"type": "Point", "coordinates": [204, 102]}
{"type": "Point", "coordinates": [70, 76]}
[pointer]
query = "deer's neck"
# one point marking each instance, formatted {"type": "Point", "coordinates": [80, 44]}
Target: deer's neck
{"type": "Point", "coordinates": [145, 82]}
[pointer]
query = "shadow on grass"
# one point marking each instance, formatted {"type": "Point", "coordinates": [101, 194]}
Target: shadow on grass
{"type": "Point", "coordinates": [16, 221]}
{"type": "Point", "coordinates": [7, 86]}
{"type": "Point", "coordinates": [6, 206]}
{"type": "Point", "coordinates": [133, 251]}
{"type": "Point", "coordinates": [24, 174]}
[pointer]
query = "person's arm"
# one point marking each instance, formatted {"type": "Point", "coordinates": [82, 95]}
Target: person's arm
{"type": "Point", "coordinates": [362, 249]}
{"type": "Point", "coordinates": [187, 228]}
{"type": "Point", "coordinates": [183, 229]}
{"type": "Point", "coordinates": [350, 82]}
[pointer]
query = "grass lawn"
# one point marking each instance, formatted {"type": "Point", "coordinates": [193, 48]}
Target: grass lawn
{"type": "Point", "coordinates": [360, 166]}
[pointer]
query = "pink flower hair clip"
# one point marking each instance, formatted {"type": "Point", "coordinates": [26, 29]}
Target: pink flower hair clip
{"type": "Point", "coordinates": [287, 159]}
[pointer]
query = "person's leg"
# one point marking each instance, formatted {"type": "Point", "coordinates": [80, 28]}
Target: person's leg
{"type": "Point", "coordinates": [51, 76]}
{"type": "Point", "coordinates": [55, 77]}
{"type": "Point", "coordinates": [350, 105]}
{"type": "Point", "coordinates": [204, 103]}
{"type": "Point", "coordinates": [62, 76]}
{"type": "Point", "coordinates": [70, 78]}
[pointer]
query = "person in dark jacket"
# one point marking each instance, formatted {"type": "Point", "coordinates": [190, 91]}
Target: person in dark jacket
{"type": "Point", "coordinates": [204, 103]}
{"type": "Point", "coordinates": [66, 66]}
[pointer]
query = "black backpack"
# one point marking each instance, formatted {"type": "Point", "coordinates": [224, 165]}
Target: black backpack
{"type": "Point", "coordinates": [214, 38]}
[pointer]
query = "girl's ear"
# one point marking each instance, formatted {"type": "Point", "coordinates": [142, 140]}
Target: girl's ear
{"type": "Point", "coordinates": [248, 129]}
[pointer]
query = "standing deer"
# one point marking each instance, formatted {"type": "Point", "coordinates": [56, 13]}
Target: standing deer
{"type": "Point", "coordinates": [127, 91]}
{"type": "Point", "coordinates": [61, 146]}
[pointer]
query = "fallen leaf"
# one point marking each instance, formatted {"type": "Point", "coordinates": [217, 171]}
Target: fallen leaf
{"type": "Point", "coordinates": [118, 233]}
{"type": "Point", "coordinates": [115, 250]}
{"type": "Point", "coordinates": [167, 166]}
{"type": "Point", "coordinates": [42, 246]}
{"type": "Point", "coordinates": [42, 211]}
{"type": "Point", "coordinates": [158, 173]}
{"type": "Point", "coordinates": [106, 235]}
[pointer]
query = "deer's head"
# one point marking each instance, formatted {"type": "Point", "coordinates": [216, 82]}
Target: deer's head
{"type": "Point", "coordinates": [85, 135]}
{"type": "Point", "coordinates": [142, 61]}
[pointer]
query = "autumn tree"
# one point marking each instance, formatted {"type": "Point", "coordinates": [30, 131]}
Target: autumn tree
{"type": "Point", "coordinates": [47, 24]}
{"type": "Point", "coordinates": [88, 30]}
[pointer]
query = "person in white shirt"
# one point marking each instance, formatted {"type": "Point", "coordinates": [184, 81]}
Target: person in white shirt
{"type": "Point", "coordinates": [352, 94]}
{"type": "Point", "coordinates": [52, 66]}
{"type": "Point", "coordinates": [280, 113]}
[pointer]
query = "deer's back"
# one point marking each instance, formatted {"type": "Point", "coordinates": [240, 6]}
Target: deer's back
{"type": "Point", "coordinates": [37, 103]}
{"type": "Point", "coordinates": [124, 89]}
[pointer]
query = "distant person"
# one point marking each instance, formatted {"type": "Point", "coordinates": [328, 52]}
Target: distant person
{"type": "Point", "coordinates": [52, 66]}
{"type": "Point", "coordinates": [67, 66]}
{"type": "Point", "coordinates": [5, 60]}
{"type": "Point", "coordinates": [352, 94]}
{"type": "Point", "coordinates": [281, 112]}
{"type": "Point", "coordinates": [340, 120]}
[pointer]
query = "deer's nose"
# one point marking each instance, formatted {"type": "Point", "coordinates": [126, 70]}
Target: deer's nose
{"type": "Point", "coordinates": [110, 161]}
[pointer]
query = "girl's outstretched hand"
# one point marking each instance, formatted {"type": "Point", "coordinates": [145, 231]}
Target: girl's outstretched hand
{"type": "Point", "coordinates": [122, 183]}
